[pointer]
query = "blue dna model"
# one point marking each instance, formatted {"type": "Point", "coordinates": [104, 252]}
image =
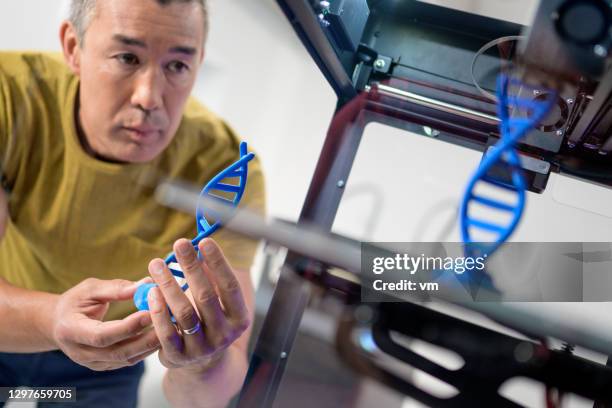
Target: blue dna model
{"type": "Point", "coordinates": [232, 196]}
{"type": "Point", "coordinates": [527, 115]}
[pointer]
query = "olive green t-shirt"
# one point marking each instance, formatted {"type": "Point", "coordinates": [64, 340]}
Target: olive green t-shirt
{"type": "Point", "coordinates": [73, 216]}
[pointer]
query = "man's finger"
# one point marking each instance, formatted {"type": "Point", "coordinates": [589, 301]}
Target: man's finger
{"type": "Point", "coordinates": [99, 334]}
{"type": "Point", "coordinates": [229, 287]}
{"type": "Point", "coordinates": [181, 307]}
{"type": "Point", "coordinates": [109, 290]}
{"type": "Point", "coordinates": [125, 351]}
{"type": "Point", "coordinates": [171, 342]}
{"type": "Point", "coordinates": [202, 290]}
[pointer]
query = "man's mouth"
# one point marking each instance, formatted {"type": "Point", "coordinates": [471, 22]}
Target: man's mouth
{"type": "Point", "coordinates": [140, 133]}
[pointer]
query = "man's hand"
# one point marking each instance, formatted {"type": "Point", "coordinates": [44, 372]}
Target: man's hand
{"type": "Point", "coordinates": [78, 331]}
{"type": "Point", "coordinates": [217, 307]}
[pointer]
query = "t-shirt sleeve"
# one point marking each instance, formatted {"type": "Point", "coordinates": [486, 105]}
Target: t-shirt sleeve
{"type": "Point", "coordinates": [4, 127]}
{"type": "Point", "coordinates": [15, 116]}
{"type": "Point", "coordinates": [239, 250]}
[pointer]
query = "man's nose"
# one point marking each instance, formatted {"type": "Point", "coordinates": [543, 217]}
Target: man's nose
{"type": "Point", "coordinates": [148, 90]}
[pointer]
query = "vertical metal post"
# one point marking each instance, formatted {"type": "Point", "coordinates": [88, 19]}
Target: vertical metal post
{"type": "Point", "coordinates": [291, 294]}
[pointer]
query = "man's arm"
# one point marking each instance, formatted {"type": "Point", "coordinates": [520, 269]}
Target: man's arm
{"type": "Point", "coordinates": [24, 320]}
{"type": "Point", "coordinates": [23, 324]}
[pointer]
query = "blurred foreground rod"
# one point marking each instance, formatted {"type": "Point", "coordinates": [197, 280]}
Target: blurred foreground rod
{"type": "Point", "coordinates": [345, 253]}
{"type": "Point", "coordinates": [303, 240]}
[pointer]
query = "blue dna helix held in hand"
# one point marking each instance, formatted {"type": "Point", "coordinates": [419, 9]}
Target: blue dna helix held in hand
{"type": "Point", "coordinates": [527, 114]}
{"type": "Point", "coordinates": [231, 194]}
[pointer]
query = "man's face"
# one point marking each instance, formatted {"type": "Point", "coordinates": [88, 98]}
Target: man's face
{"type": "Point", "coordinates": [137, 68]}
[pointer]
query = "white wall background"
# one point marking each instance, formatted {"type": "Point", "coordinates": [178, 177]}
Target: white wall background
{"type": "Point", "coordinates": [259, 77]}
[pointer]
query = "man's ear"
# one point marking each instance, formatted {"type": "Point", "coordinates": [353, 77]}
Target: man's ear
{"type": "Point", "coordinates": [71, 47]}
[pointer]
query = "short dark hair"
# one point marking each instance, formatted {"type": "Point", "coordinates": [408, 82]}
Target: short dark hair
{"type": "Point", "coordinates": [81, 12]}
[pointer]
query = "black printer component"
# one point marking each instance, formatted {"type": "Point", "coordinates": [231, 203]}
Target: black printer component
{"type": "Point", "coordinates": [347, 20]}
{"type": "Point", "coordinates": [535, 171]}
{"type": "Point", "coordinates": [490, 358]}
{"type": "Point", "coordinates": [584, 22]}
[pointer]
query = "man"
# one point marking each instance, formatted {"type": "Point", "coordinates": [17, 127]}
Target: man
{"type": "Point", "coordinates": [80, 140]}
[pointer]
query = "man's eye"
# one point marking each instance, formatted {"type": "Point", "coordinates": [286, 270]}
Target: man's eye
{"type": "Point", "coordinates": [177, 67]}
{"type": "Point", "coordinates": [127, 59]}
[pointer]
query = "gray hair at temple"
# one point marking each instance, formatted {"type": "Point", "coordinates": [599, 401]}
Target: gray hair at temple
{"type": "Point", "coordinates": [81, 12]}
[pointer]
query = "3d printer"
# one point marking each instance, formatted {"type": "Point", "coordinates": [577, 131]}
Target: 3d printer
{"type": "Point", "coordinates": [391, 52]}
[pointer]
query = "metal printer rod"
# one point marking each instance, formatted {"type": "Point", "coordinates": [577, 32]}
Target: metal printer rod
{"type": "Point", "coordinates": [346, 254]}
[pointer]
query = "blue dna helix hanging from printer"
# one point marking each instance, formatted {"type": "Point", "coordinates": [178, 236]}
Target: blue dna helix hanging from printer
{"type": "Point", "coordinates": [518, 116]}
{"type": "Point", "coordinates": [231, 194]}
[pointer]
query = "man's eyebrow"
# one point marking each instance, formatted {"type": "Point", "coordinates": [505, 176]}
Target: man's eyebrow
{"type": "Point", "coordinates": [184, 50]}
{"type": "Point", "coordinates": [129, 41]}
{"type": "Point", "coordinates": [181, 49]}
